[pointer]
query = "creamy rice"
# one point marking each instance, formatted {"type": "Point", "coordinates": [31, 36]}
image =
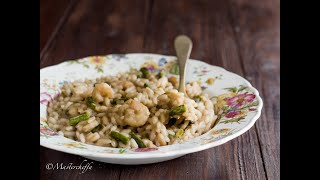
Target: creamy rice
{"type": "Point", "coordinates": [131, 110]}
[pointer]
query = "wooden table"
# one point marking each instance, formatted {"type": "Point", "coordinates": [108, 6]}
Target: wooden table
{"type": "Point", "coordinates": [243, 36]}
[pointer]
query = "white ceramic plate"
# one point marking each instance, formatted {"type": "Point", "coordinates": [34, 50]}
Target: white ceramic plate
{"type": "Point", "coordinates": [242, 105]}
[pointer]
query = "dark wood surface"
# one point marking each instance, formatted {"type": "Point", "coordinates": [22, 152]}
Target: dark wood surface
{"type": "Point", "coordinates": [50, 18]}
{"type": "Point", "coordinates": [243, 36]}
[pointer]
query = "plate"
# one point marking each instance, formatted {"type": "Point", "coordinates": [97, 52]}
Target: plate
{"type": "Point", "coordinates": [242, 105]}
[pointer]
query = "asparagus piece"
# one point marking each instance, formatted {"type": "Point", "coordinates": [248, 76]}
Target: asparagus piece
{"type": "Point", "coordinates": [75, 120]}
{"type": "Point", "coordinates": [177, 110]}
{"type": "Point", "coordinates": [171, 136]}
{"type": "Point", "coordinates": [90, 103]}
{"type": "Point", "coordinates": [160, 75]}
{"type": "Point", "coordinates": [138, 140]}
{"type": "Point", "coordinates": [145, 72]}
{"type": "Point", "coordinates": [97, 128]}
{"type": "Point", "coordinates": [174, 69]}
{"type": "Point", "coordinates": [179, 133]}
{"type": "Point", "coordinates": [118, 100]}
{"type": "Point", "coordinates": [119, 137]}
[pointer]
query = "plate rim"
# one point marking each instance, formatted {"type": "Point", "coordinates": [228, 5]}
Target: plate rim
{"type": "Point", "coordinates": [159, 154]}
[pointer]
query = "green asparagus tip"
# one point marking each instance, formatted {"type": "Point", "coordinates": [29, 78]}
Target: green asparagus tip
{"type": "Point", "coordinates": [145, 72]}
{"type": "Point", "coordinates": [119, 137]}
{"type": "Point", "coordinates": [138, 140]}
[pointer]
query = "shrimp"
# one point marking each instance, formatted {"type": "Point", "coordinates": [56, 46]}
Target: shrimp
{"type": "Point", "coordinates": [176, 98]}
{"type": "Point", "coordinates": [137, 115]}
{"type": "Point", "coordinates": [127, 85]}
{"type": "Point", "coordinates": [102, 90]}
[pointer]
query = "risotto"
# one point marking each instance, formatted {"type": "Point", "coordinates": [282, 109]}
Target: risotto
{"type": "Point", "coordinates": [136, 109]}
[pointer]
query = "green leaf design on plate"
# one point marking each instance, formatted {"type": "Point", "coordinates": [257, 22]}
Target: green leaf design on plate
{"type": "Point", "coordinates": [148, 58]}
{"type": "Point", "coordinates": [86, 65]}
{"type": "Point", "coordinates": [109, 57]}
{"type": "Point", "coordinates": [121, 151]}
{"type": "Point", "coordinates": [232, 89]}
{"type": "Point", "coordinates": [99, 69]}
{"type": "Point", "coordinates": [242, 87]}
{"type": "Point", "coordinates": [235, 89]}
{"type": "Point", "coordinates": [237, 120]}
{"type": "Point", "coordinates": [73, 62]}
{"type": "Point", "coordinates": [45, 136]}
{"type": "Point", "coordinates": [255, 103]}
{"type": "Point", "coordinates": [213, 97]}
{"type": "Point", "coordinates": [219, 77]}
{"type": "Point", "coordinates": [225, 108]}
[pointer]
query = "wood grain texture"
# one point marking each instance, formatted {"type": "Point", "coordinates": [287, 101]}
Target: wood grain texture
{"type": "Point", "coordinates": [50, 14]}
{"type": "Point", "coordinates": [241, 36]}
{"type": "Point", "coordinates": [98, 28]}
{"type": "Point", "coordinates": [257, 25]}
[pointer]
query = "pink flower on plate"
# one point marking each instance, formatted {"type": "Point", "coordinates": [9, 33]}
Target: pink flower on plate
{"type": "Point", "coordinates": [232, 114]}
{"type": "Point", "coordinates": [241, 99]}
{"type": "Point", "coordinates": [47, 131]}
{"type": "Point", "coordinates": [151, 66]}
{"type": "Point", "coordinates": [145, 149]}
{"type": "Point", "coordinates": [45, 98]}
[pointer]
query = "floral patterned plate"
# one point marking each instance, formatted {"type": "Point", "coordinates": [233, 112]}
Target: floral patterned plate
{"type": "Point", "coordinates": [238, 102]}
